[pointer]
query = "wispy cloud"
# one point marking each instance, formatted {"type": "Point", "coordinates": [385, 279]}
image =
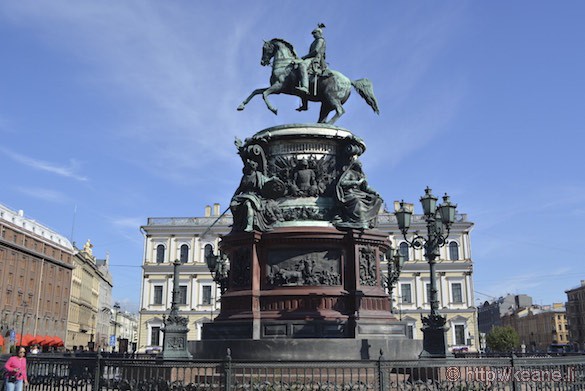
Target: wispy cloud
{"type": "Point", "coordinates": [48, 195]}
{"type": "Point", "coordinates": [154, 54]}
{"type": "Point", "coordinates": [69, 171]}
{"type": "Point", "coordinates": [128, 222]}
{"type": "Point", "coordinates": [524, 282]}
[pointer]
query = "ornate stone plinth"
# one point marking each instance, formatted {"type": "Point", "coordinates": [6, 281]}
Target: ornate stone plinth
{"type": "Point", "coordinates": [301, 282]}
{"type": "Point", "coordinates": [304, 259]}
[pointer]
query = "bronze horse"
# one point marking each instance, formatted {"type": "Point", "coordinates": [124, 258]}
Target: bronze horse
{"type": "Point", "coordinates": [332, 89]}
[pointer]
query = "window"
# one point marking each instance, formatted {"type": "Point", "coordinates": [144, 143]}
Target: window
{"type": "Point", "coordinates": [405, 293]}
{"type": "Point", "coordinates": [155, 336]}
{"type": "Point", "coordinates": [403, 249]}
{"type": "Point", "coordinates": [459, 334]}
{"type": "Point", "coordinates": [160, 253]}
{"type": "Point", "coordinates": [410, 331]}
{"type": "Point", "coordinates": [457, 294]}
{"type": "Point", "coordinates": [158, 294]}
{"type": "Point", "coordinates": [182, 299]}
{"type": "Point", "coordinates": [453, 251]}
{"type": "Point", "coordinates": [184, 253]}
{"type": "Point", "coordinates": [206, 298]}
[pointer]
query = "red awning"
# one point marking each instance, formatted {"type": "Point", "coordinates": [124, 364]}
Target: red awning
{"type": "Point", "coordinates": [58, 342]}
{"type": "Point", "coordinates": [47, 340]}
{"type": "Point", "coordinates": [37, 340]}
{"type": "Point", "coordinates": [1, 340]}
{"type": "Point", "coordinates": [55, 341]}
{"type": "Point", "coordinates": [27, 340]}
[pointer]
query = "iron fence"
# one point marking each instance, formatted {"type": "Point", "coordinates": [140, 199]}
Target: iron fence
{"type": "Point", "coordinates": [89, 373]}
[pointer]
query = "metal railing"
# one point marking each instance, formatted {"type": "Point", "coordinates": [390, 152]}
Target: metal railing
{"type": "Point", "coordinates": [48, 372]}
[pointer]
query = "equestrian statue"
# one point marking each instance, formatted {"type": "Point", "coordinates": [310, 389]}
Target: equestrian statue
{"type": "Point", "coordinates": [309, 78]}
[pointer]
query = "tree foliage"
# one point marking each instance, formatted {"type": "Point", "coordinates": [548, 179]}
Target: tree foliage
{"type": "Point", "coordinates": [502, 339]}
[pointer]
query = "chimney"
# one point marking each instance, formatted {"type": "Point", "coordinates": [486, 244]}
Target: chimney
{"type": "Point", "coordinates": [216, 209]}
{"type": "Point", "coordinates": [207, 210]}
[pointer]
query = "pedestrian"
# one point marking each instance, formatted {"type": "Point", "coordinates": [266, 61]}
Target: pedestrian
{"type": "Point", "coordinates": [15, 369]}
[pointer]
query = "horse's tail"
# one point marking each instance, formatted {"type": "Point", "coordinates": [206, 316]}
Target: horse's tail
{"type": "Point", "coordinates": [365, 88]}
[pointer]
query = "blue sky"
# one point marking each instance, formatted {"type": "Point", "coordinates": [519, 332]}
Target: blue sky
{"type": "Point", "coordinates": [126, 110]}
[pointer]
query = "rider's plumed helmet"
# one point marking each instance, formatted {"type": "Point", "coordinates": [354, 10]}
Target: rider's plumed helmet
{"type": "Point", "coordinates": [318, 30]}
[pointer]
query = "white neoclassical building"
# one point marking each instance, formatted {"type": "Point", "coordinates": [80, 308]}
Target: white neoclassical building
{"type": "Point", "coordinates": [190, 238]}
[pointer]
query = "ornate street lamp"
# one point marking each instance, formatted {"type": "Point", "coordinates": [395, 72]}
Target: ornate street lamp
{"type": "Point", "coordinates": [219, 268]}
{"type": "Point", "coordinates": [439, 219]}
{"type": "Point", "coordinates": [395, 262]}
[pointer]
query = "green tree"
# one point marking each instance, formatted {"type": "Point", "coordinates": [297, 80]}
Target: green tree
{"type": "Point", "coordinates": [502, 339]}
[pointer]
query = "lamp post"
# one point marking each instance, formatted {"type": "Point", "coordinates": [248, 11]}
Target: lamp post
{"type": "Point", "coordinates": [219, 268]}
{"type": "Point", "coordinates": [395, 262]}
{"type": "Point", "coordinates": [91, 345]}
{"type": "Point", "coordinates": [117, 309]}
{"type": "Point", "coordinates": [439, 219]}
{"type": "Point", "coordinates": [175, 326]}
{"type": "Point", "coordinates": [24, 305]}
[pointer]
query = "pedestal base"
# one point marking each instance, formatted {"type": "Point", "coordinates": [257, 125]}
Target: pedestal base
{"type": "Point", "coordinates": [175, 344]}
{"type": "Point", "coordinates": [435, 343]}
{"type": "Point", "coordinates": [308, 349]}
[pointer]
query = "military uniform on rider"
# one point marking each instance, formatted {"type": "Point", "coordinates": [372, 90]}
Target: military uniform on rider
{"type": "Point", "coordinates": [314, 62]}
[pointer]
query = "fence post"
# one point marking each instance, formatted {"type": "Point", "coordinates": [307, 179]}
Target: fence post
{"type": "Point", "coordinates": [381, 372]}
{"type": "Point", "coordinates": [513, 371]}
{"type": "Point", "coordinates": [98, 372]}
{"type": "Point", "coordinates": [227, 371]}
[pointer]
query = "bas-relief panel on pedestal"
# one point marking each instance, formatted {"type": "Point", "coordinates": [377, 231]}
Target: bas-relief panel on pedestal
{"type": "Point", "coordinates": [289, 267]}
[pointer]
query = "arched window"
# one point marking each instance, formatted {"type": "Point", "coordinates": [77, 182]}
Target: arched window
{"type": "Point", "coordinates": [404, 250]}
{"type": "Point", "coordinates": [160, 253]}
{"type": "Point", "coordinates": [184, 253]}
{"type": "Point", "coordinates": [453, 251]}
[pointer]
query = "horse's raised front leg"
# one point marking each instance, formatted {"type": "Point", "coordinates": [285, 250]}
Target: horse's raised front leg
{"type": "Point", "coordinates": [273, 89]}
{"type": "Point", "coordinates": [253, 94]}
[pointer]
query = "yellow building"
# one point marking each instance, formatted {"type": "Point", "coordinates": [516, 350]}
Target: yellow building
{"type": "Point", "coordinates": [85, 306]}
{"type": "Point", "coordinates": [539, 326]}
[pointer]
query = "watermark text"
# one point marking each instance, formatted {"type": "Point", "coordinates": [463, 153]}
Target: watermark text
{"type": "Point", "coordinates": [491, 374]}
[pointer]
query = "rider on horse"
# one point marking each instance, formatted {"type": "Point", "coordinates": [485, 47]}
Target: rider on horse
{"type": "Point", "coordinates": [313, 63]}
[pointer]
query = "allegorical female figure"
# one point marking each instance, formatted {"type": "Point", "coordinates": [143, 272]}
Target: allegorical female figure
{"type": "Point", "coordinates": [359, 202]}
{"type": "Point", "coordinates": [249, 208]}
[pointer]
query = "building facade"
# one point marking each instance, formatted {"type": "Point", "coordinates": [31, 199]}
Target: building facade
{"type": "Point", "coordinates": [186, 239]}
{"type": "Point", "coordinates": [576, 316]}
{"type": "Point", "coordinates": [36, 267]}
{"type": "Point", "coordinates": [189, 239]}
{"type": "Point", "coordinates": [91, 295]}
{"type": "Point", "coordinates": [489, 314]}
{"type": "Point", "coordinates": [539, 326]}
{"type": "Point", "coordinates": [103, 317]}
{"type": "Point", "coordinates": [125, 330]}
